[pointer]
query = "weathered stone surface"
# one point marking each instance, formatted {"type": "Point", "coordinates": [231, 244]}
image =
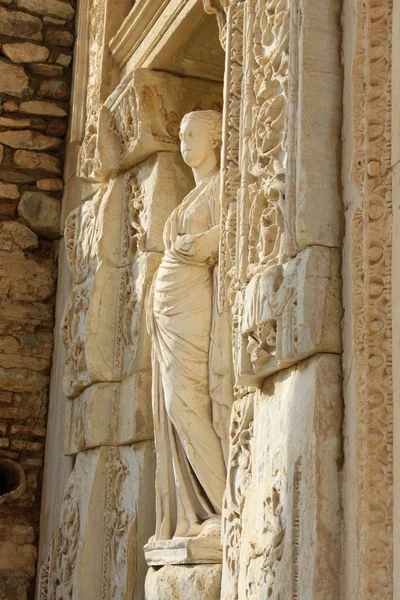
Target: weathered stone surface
{"type": "Point", "coordinates": [22, 380]}
{"type": "Point", "coordinates": [10, 106]}
{"type": "Point", "coordinates": [38, 107]}
{"type": "Point", "coordinates": [50, 8]}
{"type": "Point", "coordinates": [20, 24]}
{"type": "Point", "coordinates": [292, 430]}
{"type": "Point", "coordinates": [37, 160]}
{"type": "Point", "coordinates": [22, 123]}
{"type": "Point", "coordinates": [57, 127]}
{"type": "Point", "coordinates": [1, 153]}
{"type": "Point", "coordinates": [25, 278]}
{"type": "Point", "coordinates": [8, 209]}
{"type": "Point", "coordinates": [52, 21]}
{"type": "Point", "coordinates": [42, 213]}
{"type": "Point", "coordinates": [9, 191]}
{"type": "Point", "coordinates": [54, 88]}
{"type": "Point", "coordinates": [29, 140]}
{"type": "Point", "coordinates": [57, 37]}
{"type": "Point", "coordinates": [14, 177]}
{"type": "Point", "coordinates": [197, 582]}
{"type": "Point", "coordinates": [25, 52]}
{"type": "Point", "coordinates": [104, 414]}
{"type": "Point", "coordinates": [14, 586]}
{"type": "Point", "coordinates": [46, 70]}
{"type": "Point", "coordinates": [50, 185]}
{"type": "Point", "coordinates": [16, 236]}
{"type": "Point", "coordinates": [18, 557]}
{"type": "Point", "coordinates": [13, 79]}
{"type": "Point", "coordinates": [64, 60]}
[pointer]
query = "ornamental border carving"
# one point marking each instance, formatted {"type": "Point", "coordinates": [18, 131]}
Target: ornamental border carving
{"type": "Point", "coordinates": [371, 250]}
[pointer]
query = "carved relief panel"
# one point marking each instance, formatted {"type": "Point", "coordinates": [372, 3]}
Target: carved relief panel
{"type": "Point", "coordinates": [114, 244]}
{"type": "Point", "coordinates": [98, 543]}
{"type": "Point", "coordinates": [281, 519]}
{"type": "Point", "coordinates": [280, 168]}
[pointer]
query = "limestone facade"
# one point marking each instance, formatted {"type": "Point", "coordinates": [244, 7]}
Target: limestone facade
{"type": "Point", "coordinates": [222, 416]}
{"type": "Point", "coordinates": [36, 44]}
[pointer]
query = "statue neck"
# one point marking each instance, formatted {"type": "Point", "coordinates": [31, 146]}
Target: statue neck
{"type": "Point", "coordinates": [206, 169]}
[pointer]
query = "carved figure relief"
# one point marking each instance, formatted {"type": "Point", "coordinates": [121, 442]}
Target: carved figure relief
{"type": "Point", "coordinates": [191, 400]}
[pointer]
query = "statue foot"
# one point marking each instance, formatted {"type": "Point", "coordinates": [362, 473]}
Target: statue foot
{"type": "Point", "coordinates": [211, 528]}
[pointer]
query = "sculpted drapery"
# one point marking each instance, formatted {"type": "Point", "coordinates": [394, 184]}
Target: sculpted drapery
{"type": "Point", "coordinates": [192, 391]}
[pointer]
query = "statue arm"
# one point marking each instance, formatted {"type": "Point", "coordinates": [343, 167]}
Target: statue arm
{"type": "Point", "coordinates": [203, 247]}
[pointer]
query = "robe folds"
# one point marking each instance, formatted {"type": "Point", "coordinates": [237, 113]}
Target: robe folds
{"type": "Point", "coordinates": [190, 378]}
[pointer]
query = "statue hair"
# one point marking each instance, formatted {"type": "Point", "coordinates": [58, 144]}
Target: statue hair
{"type": "Point", "coordinates": [211, 119]}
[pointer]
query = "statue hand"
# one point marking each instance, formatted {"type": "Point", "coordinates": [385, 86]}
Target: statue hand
{"type": "Point", "coordinates": [185, 245]}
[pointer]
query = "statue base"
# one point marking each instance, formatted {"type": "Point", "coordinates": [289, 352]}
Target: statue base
{"type": "Point", "coordinates": [184, 582]}
{"type": "Point", "coordinates": [184, 551]}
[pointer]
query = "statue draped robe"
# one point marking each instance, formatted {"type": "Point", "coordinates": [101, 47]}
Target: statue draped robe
{"type": "Point", "coordinates": [190, 427]}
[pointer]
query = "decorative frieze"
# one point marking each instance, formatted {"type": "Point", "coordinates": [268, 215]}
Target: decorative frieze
{"type": "Point", "coordinates": [371, 258]}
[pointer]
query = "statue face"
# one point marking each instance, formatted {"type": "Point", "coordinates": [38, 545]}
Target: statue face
{"type": "Point", "coordinates": [196, 143]}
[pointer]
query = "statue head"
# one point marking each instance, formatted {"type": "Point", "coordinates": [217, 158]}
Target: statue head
{"type": "Point", "coordinates": [201, 137]}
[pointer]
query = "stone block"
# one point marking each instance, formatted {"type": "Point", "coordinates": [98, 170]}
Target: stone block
{"type": "Point", "coordinates": [49, 8]}
{"type": "Point", "coordinates": [22, 380]}
{"type": "Point", "coordinates": [9, 191]}
{"type": "Point", "coordinates": [50, 185]}
{"type": "Point", "coordinates": [101, 531]}
{"type": "Point", "coordinates": [24, 278]}
{"type": "Point", "coordinates": [64, 60]}
{"type": "Point", "coordinates": [57, 127]}
{"type": "Point", "coordinates": [13, 79]}
{"type": "Point", "coordinates": [290, 312]}
{"type": "Point", "coordinates": [15, 177]}
{"type": "Point", "coordinates": [58, 37]}
{"type": "Point", "coordinates": [22, 123]}
{"type": "Point", "coordinates": [55, 89]}
{"type": "Point", "coordinates": [281, 516]}
{"type": "Point", "coordinates": [10, 106]}
{"type": "Point", "coordinates": [53, 21]}
{"type": "Point", "coordinates": [23, 159]}
{"type": "Point", "coordinates": [107, 414]}
{"type": "Point", "coordinates": [25, 52]}
{"type": "Point", "coordinates": [39, 107]}
{"type": "Point", "coordinates": [21, 25]}
{"type": "Point", "coordinates": [42, 213]}
{"type": "Point", "coordinates": [46, 70]}
{"type": "Point", "coordinates": [197, 582]}
{"type": "Point", "coordinates": [15, 237]}
{"type": "Point", "coordinates": [29, 140]}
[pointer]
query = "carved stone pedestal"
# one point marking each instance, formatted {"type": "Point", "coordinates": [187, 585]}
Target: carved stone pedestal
{"type": "Point", "coordinates": [183, 582]}
{"type": "Point", "coordinates": [184, 551]}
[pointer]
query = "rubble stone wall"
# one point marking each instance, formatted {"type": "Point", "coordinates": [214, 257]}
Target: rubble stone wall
{"type": "Point", "coordinates": [36, 43]}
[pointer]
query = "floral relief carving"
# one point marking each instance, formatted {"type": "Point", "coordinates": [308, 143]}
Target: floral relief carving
{"type": "Point", "coordinates": [117, 522]}
{"type": "Point", "coordinates": [239, 480]}
{"type": "Point", "coordinates": [372, 311]}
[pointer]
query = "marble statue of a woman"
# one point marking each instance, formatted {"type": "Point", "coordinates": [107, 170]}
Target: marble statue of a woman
{"type": "Point", "coordinates": [187, 357]}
